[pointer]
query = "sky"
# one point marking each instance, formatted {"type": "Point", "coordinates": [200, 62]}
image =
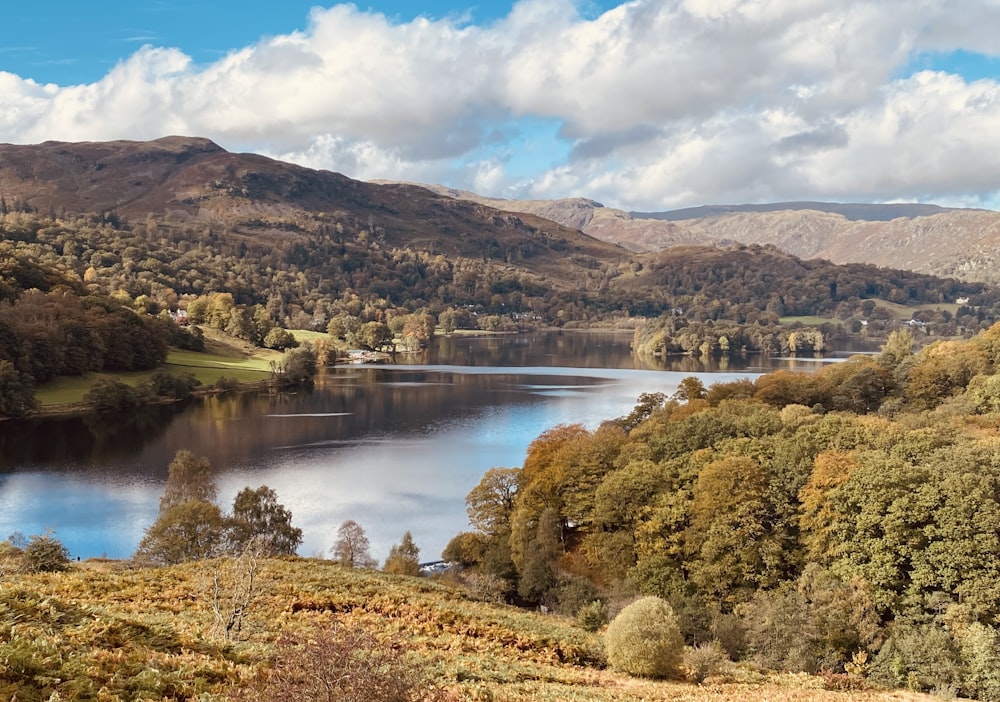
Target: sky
{"type": "Point", "coordinates": [645, 105]}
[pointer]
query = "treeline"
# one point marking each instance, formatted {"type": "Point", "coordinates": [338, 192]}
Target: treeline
{"type": "Point", "coordinates": [97, 293]}
{"type": "Point", "coordinates": [675, 334]}
{"type": "Point", "coordinates": [830, 522]}
{"type": "Point", "coordinates": [306, 270]}
{"type": "Point", "coordinates": [740, 283]}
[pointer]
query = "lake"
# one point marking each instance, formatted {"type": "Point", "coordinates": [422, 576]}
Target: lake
{"type": "Point", "coordinates": [393, 447]}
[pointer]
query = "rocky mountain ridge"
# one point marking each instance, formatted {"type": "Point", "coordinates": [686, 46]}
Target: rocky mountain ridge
{"type": "Point", "coordinates": [962, 243]}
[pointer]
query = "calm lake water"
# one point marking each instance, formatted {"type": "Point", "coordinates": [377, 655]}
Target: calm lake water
{"type": "Point", "coordinates": [395, 448]}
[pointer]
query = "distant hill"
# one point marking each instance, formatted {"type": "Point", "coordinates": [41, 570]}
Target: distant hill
{"type": "Point", "coordinates": [193, 180]}
{"type": "Point", "coordinates": [181, 217]}
{"type": "Point", "coordinates": [852, 211]}
{"type": "Point", "coordinates": [962, 243]}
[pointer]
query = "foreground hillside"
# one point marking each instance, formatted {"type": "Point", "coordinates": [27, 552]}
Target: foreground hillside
{"type": "Point", "coordinates": [105, 631]}
{"type": "Point", "coordinates": [940, 241]}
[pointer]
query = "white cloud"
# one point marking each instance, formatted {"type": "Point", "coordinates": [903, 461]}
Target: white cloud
{"type": "Point", "coordinates": [666, 102]}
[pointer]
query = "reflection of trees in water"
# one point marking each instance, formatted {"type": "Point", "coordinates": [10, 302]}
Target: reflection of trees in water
{"type": "Point", "coordinates": [116, 435]}
{"type": "Point", "coordinates": [348, 404]}
{"type": "Point", "coordinates": [83, 439]}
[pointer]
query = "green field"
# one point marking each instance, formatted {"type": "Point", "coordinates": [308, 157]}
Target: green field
{"type": "Point", "coordinates": [810, 321]}
{"type": "Point", "coordinates": [898, 312]}
{"type": "Point", "coordinates": [223, 357]}
{"type": "Point", "coordinates": [206, 367]}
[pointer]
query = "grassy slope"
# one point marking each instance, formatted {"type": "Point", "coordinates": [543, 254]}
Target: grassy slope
{"type": "Point", "coordinates": [898, 312]}
{"type": "Point", "coordinates": [147, 634]}
{"type": "Point", "coordinates": [223, 356]}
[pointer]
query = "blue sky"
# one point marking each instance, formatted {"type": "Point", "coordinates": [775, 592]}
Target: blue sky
{"type": "Point", "coordinates": [69, 42]}
{"type": "Point", "coordinates": [649, 104]}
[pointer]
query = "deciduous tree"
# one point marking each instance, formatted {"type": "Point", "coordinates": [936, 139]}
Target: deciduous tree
{"type": "Point", "coordinates": [190, 526]}
{"type": "Point", "coordinates": [404, 557]}
{"type": "Point", "coordinates": [352, 548]}
{"type": "Point", "coordinates": [258, 518]}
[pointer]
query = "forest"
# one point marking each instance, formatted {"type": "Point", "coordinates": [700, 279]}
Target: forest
{"type": "Point", "coordinates": [845, 521]}
{"type": "Point", "coordinates": [81, 293]}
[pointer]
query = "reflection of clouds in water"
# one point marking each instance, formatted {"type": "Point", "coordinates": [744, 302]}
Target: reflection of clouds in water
{"type": "Point", "coordinates": [312, 414]}
{"type": "Point", "coordinates": [386, 486]}
{"type": "Point", "coordinates": [82, 510]}
{"type": "Point", "coordinates": [410, 472]}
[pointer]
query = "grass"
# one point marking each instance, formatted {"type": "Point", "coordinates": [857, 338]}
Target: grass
{"type": "Point", "coordinates": [905, 312]}
{"type": "Point", "coordinates": [809, 321]}
{"type": "Point", "coordinates": [898, 312]}
{"type": "Point", "coordinates": [304, 335]}
{"type": "Point", "coordinates": [223, 357]}
{"type": "Point", "coordinates": [104, 630]}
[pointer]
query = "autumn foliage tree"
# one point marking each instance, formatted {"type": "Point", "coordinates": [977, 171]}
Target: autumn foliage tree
{"type": "Point", "coordinates": [404, 557]}
{"type": "Point", "coordinates": [259, 519]}
{"type": "Point", "coordinates": [191, 526]}
{"type": "Point", "coordinates": [352, 548]}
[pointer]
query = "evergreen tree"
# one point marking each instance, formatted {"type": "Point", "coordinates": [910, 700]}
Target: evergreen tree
{"type": "Point", "coordinates": [404, 557]}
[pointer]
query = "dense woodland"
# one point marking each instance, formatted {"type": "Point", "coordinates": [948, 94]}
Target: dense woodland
{"type": "Point", "coordinates": [91, 293]}
{"type": "Point", "coordinates": [842, 521]}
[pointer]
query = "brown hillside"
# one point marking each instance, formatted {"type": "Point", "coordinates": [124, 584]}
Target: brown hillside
{"type": "Point", "coordinates": [924, 238]}
{"type": "Point", "coordinates": [195, 180]}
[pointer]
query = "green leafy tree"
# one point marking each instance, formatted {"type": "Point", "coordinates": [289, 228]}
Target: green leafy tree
{"type": "Point", "coordinates": [921, 657]}
{"type": "Point", "coordinates": [258, 519]}
{"type": "Point", "coordinates": [280, 339]}
{"type": "Point", "coordinates": [17, 391]}
{"type": "Point", "coordinates": [898, 347]}
{"type": "Point", "coordinates": [108, 396]}
{"type": "Point", "coordinates": [375, 336]}
{"type": "Point", "coordinates": [298, 366]}
{"type": "Point", "coordinates": [537, 568]}
{"type": "Point", "coordinates": [189, 526]}
{"type": "Point", "coordinates": [187, 531]}
{"type": "Point", "coordinates": [188, 478]}
{"type": "Point", "coordinates": [178, 387]}
{"type": "Point", "coordinates": [404, 557]}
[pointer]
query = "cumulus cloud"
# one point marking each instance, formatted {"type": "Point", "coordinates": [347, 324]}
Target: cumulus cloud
{"type": "Point", "coordinates": [663, 103]}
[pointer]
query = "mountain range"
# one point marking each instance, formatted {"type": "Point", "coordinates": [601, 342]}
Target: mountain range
{"type": "Point", "coordinates": [192, 180]}
{"type": "Point", "coordinates": [949, 242]}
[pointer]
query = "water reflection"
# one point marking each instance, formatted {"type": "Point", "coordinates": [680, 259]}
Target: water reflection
{"type": "Point", "coordinates": [394, 447]}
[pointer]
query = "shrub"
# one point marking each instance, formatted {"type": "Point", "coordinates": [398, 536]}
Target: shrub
{"type": "Point", "coordinates": [645, 640]}
{"type": "Point", "coordinates": [225, 383]}
{"type": "Point", "coordinates": [345, 663]}
{"type": "Point", "coordinates": [44, 554]}
{"type": "Point", "coordinates": [176, 387]}
{"type": "Point", "coordinates": [592, 616]}
{"type": "Point", "coordinates": [980, 651]}
{"type": "Point", "coordinates": [919, 657]}
{"type": "Point", "coordinates": [704, 661]}
{"type": "Point", "coordinates": [107, 396]}
{"type": "Point", "coordinates": [572, 594]}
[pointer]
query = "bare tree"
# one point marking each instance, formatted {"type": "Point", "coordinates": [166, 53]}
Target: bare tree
{"type": "Point", "coordinates": [235, 584]}
{"type": "Point", "coordinates": [351, 548]}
